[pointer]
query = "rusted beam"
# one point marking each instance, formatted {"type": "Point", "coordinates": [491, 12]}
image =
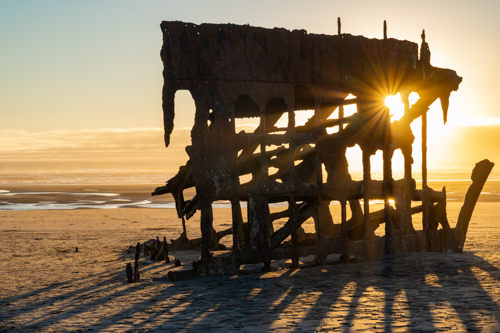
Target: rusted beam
{"type": "Point", "coordinates": [479, 176]}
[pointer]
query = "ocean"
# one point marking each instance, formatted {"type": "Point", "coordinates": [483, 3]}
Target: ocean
{"type": "Point", "coordinates": [48, 185]}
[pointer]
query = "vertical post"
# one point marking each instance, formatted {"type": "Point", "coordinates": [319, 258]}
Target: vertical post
{"type": "Point", "coordinates": [320, 225]}
{"type": "Point", "coordinates": [263, 157]}
{"type": "Point", "coordinates": [165, 250]}
{"type": "Point", "coordinates": [184, 232]}
{"type": "Point", "coordinates": [341, 118]}
{"type": "Point", "coordinates": [425, 201]}
{"type": "Point", "coordinates": [346, 253]}
{"type": "Point", "coordinates": [403, 200]}
{"type": "Point", "coordinates": [408, 161]}
{"type": "Point", "coordinates": [237, 225]}
{"type": "Point", "coordinates": [387, 189]}
{"type": "Point", "coordinates": [254, 210]}
{"type": "Point", "coordinates": [293, 217]}
{"type": "Point", "coordinates": [128, 271]}
{"type": "Point", "coordinates": [206, 221]}
{"type": "Point", "coordinates": [292, 179]}
{"type": "Point", "coordinates": [366, 194]}
{"type": "Point", "coordinates": [338, 25]}
{"type": "Point", "coordinates": [408, 149]}
{"type": "Point", "coordinates": [136, 262]}
{"type": "Point", "coordinates": [387, 182]}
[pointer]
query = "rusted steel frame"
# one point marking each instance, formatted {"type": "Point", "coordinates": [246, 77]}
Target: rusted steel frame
{"type": "Point", "coordinates": [326, 123]}
{"type": "Point", "coordinates": [443, 241]}
{"type": "Point", "coordinates": [366, 193]}
{"type": "Point", "coordinates": [253, 209]}
{"type": "Point", "coordinates": [184, 176]}
{"type": "Point", "coordinates": [346, 254]}
{"type": "Point", "coordinates": [279, 215]}
{"type": "Point", "coordinates": [444, 217]}
{"type": "Point", "coordinates": [293, 231]}
{"type": "Point", "coordinates": [376, 219]}
{"type": "Point", "coordinates": [303, 212]}
{"type": "Point", "coordinates": [432, 195]}
{"type": "Point", "coordinates": [237, 228]}
{"type": "Point", "coordinates": [388, 182]}
{"type": "Point", "coordinates": [342, 119]}
{"type": "Point", "coordinates": [206, 222]}
{"type": "Point", "coordinates": [183, 183]}
{"type": "Point", "coordinates": [269, 121]}
{"type": "Point", "coordinates": [189, 207]}
{"type": "Point", "coordinates": [355, 192]}
{"type": "Point", "coordinates": [186, 70]}
{"type": "Point", "coordinates": [306, 211]}
{"type": "Point", "coordinates": [293, 178]}
{"type": "Point", "coordinates": [425, 190]}
{"type": "Point", "coordinates": [255, 156]}
{"type": "Point", "coordinates": [319, 220]}
{"type": "Point", "coordinates": [479, 176]}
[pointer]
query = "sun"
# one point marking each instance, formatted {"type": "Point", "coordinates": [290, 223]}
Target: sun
{"type": "Point", "coordinates": [397, 109]}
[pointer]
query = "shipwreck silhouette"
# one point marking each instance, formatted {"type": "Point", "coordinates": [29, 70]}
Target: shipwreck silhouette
{"type": "Point", "coordinates": [234, 72]}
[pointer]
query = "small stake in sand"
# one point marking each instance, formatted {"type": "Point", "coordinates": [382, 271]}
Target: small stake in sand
{"type": "Point", "coordinates": [136, 263]}
{"type": "Point", "coordinates": [165, 250]}
{"type": "Point", "coordinates": [128, 270]}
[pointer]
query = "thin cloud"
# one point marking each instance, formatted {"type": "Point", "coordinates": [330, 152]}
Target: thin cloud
{"type": "Point", "coordinates": [109, 142]}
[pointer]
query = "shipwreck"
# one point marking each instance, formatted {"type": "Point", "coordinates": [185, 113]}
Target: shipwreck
{"type": "Point", "coordinates": [234, 72]}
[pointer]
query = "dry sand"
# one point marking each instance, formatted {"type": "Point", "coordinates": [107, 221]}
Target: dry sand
{"type": "Point", "coordinates": [47, 286]}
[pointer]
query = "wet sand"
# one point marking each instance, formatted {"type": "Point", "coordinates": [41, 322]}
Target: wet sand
{"type": "Point", "coordinates": [47, 286]}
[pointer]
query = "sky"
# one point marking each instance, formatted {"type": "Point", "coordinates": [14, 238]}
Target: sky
{"type": "Point", "coordinates": [84, 78]}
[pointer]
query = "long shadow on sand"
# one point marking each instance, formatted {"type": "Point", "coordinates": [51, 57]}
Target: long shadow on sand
{"type": "Point", "coordinates": [406, 292]}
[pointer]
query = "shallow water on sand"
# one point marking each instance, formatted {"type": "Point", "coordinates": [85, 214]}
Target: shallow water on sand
{"type": "Point", "coordinates": [72, 185]}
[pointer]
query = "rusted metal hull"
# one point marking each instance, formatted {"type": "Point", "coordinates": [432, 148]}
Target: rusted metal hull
{"type": "Point", "coordinates": [235, 72]}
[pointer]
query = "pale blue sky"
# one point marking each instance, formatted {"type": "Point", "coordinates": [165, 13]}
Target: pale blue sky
{"type": "Point", "coordinates": [72, 70]}
{"type": "Point", "coordinates": [72, 65]}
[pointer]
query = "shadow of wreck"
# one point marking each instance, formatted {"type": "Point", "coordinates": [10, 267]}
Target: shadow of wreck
{"type": "Point", "coordinates": [405, 292]}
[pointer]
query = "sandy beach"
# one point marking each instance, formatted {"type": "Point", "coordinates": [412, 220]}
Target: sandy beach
{"type": "Point", "coordinates": [47, 286]}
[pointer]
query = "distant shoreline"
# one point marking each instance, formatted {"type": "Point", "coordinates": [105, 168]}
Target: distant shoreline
{"type": "Point", "coordinates": [113, 196]}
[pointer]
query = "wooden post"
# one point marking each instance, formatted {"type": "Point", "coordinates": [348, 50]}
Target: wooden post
{"type": "Point", "coordinates": [165, 250]}
{"type": "Point", "coordinates": [136, 262]}
{"type": "Point", "coordinates": [177, 262]}
{"type": "Point", "coordinates": [128, 271]}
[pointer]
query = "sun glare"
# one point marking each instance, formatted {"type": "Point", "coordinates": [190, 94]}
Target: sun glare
{"type": "Point", "coordinates": [397, 109]}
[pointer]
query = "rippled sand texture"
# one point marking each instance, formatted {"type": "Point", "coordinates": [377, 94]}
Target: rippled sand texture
{"type": "Point", "coordinates": [47, 286]}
